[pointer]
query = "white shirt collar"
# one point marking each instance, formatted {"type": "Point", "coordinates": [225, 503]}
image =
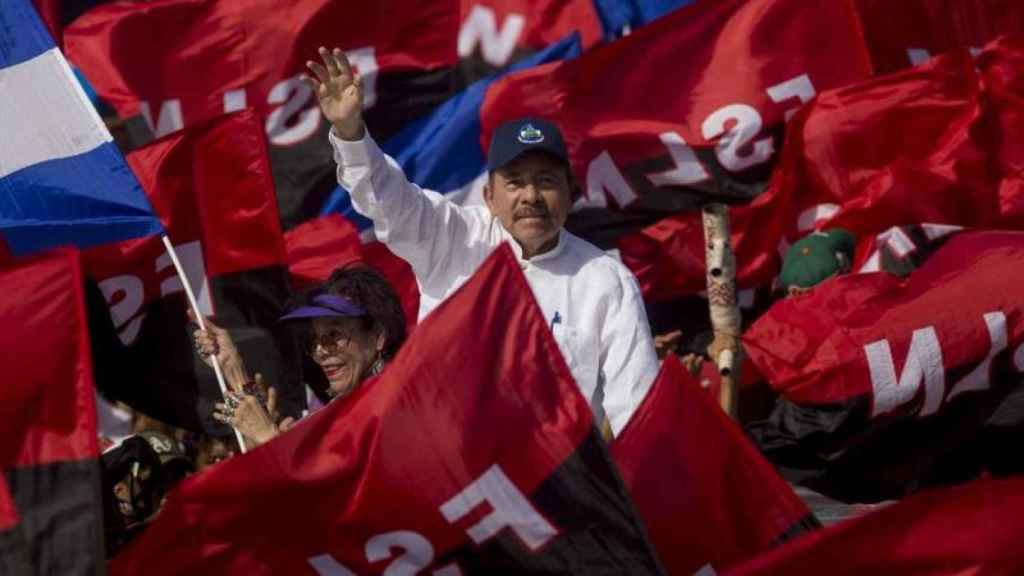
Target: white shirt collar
{"type": "Point", "coordinates": [549, 255]}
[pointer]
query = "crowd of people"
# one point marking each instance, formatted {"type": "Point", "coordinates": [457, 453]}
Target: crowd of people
{"type": "Point", "coordinates": [353, 324]}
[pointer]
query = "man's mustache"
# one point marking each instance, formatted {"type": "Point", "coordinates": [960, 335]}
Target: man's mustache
{"type": "Point", "coordinates": [531, 212]}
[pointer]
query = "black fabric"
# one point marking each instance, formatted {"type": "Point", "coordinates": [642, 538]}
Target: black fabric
{"type": "Point", "coordinates": [604, 226]}
{"type": "Point", "coordinates": [473, 67]}
{"type": "Point", "coordinates": [838, 451]}
{"type": "Point", "coordinates": [161, 375]}
{"type": "Point", "coordinates": [72, 9]}
{"type": "Point", "coordinates": [600, 529]}
{"type": "Point", "coordinates": [304, 173]}
{"type": "Point", "coordinates": [61, 516]}
{"type": "Point", "coordinates": [14, 554]}
{"type": "Point", "coordinates": [807, 524]}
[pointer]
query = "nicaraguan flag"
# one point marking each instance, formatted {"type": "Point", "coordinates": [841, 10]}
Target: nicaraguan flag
{"type": "Point", "coordinates": [62, 179]}
{"type": "Point", "coordinates": [442, 151]}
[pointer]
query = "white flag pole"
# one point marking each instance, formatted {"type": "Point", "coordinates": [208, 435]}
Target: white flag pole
{"type": "Point", "coordinates": [202, 326]}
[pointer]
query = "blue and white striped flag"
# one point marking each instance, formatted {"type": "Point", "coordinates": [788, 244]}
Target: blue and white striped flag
{"type": "Point", "coordinates": [62, 179]}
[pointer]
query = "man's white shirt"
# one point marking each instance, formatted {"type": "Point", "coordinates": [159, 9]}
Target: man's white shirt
{"type": "Point", "coordinates": [591, 301]}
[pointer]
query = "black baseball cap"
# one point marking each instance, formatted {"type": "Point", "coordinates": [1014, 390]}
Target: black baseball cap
{"type": "Point", "coordinates": [524, 135]}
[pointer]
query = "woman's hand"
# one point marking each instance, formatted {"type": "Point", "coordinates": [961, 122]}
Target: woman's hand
{"type": "Point", "coordinates": [215, 342]}
{"type": "Point", "coordinates": [245, 414]}
{"type": "Point", "coordinates": [255, 421]}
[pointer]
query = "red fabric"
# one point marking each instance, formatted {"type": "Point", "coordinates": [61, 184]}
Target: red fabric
{"type": "Point", "coordinates": [615, 99]}
{"type": "Point", "coordinates": [5, 252]}
{"type": "Point", "coordinates": [544, 21]}
{"type": "Point", "coordinates": [211, 184]}
{"type": "Point", "coordinates": [972, 529]}
{"type": "Point", "coordinates": [51, 15]}
{"type": "Point", "coordinates": [196, 50]}
{"type": "Point", "coordinates": [932, 27]}
{"type": "Point", "coordinates": [705, 493]}
{"type": "Point", "coordinates": [482, 382]}
{"type": "Point", "coordinates": [931, 144]}
{"type": "Point", "coordinates": [1001, 67]}
{"type": "Point", "coordinates": [47, 402]}
{"type": "Point", "coordinates": [320, 246]}
{"type": "Point", "coordinates": [811, 348]}
{"type": "Point", "coordinates": [399, 275]}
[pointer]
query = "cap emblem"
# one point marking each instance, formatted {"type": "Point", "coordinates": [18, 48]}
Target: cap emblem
{"type": "Point", "coordinates": [530, 135]}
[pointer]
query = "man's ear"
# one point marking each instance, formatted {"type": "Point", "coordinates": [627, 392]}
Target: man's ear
{"type": "Point", "coordinates": [488, 191]}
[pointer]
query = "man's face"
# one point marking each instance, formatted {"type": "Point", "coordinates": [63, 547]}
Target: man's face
{"type": "Point", "coordinates": [531, 197]}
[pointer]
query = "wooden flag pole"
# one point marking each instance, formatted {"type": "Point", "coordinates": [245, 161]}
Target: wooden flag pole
{"type": "Point", "coordinates": [725, 349]}
{"type": "Point", "coordinates": [202, 326]}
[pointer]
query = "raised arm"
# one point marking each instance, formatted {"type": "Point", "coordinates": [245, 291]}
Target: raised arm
{"type": "Point", "coordinates": [421, 226]}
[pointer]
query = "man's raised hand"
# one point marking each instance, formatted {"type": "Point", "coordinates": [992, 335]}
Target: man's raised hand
{"type": "Point", "coordinates": [339, 91]}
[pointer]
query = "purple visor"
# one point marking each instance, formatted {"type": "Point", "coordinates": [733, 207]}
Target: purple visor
{"type": "Point", "coordinates": [326, 305]}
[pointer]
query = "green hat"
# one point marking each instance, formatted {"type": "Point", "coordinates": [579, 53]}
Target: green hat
{"type": "Point", "coordinates": [815, 258]}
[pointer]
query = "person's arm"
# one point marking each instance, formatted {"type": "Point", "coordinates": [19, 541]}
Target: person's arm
{"type": "Point", "coordinates": [420, 226]}
{"type": "Point", "coordinates": [628, 362]}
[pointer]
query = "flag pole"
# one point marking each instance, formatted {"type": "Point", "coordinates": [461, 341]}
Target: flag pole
{"type": "Point", "coordinates": [725, 349]}
{"type": "Point", "coordinates": [202, 326]}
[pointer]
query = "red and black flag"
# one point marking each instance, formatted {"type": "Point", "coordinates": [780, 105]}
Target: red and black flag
{"type": "Point", "coordinates": [973, 529]}
{"type": "Point", "coordinates": [705, 493]}
{"type": "Point", "coordinates": [929, 144]}
{"type": "Point", "coordinates": [472, 453]}
{"type": "Point", "coordinates": [907, 33]}
{"type": "Point", "coordinates": [901, 249]}
{"type": "Point", "coordinates": [48, 444]}
{"type": "Point", "coordinates": [179, 62]}
{"type": "Point", "coordinates": [318, 247]}
{"type": "Point", "coordinates": [643, 148]}
{"type": "Point", "coordinates": [212, 189]}
{"type": "Point", "coordinates": [888, 384]}
{"type": "Point", "coordinates": [496, 33]}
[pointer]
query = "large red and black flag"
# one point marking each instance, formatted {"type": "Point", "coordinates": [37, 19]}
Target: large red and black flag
{"type": "Point", "coordinates": [973, 529]}
{"type": "Point", "coordinates": [48, 444]}
{"type": "Point", "coordinates": [930, 144]}
{"type": "Point", "coordinates": [473, 452]}
{"type": "Point", "coordinates": [179, 62]}
{"type": "Point", "coordinates": [909, 32]}
{"type": "Point", "coordinates": [889, 384]}
{"type": "Point", "coordinates": [707, 496]}
{"type": "Point", "coordinates": [212, 189]}
{"type": "Point", "coordinates": [642, 147]}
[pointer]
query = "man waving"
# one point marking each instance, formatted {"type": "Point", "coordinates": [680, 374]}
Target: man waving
{"type": "Point", "coordinates": [591, 300]}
